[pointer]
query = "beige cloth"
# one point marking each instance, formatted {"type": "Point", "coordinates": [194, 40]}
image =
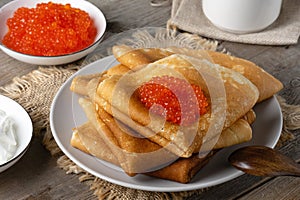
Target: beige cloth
{"type": "Point", "coordinates": [187, 15]}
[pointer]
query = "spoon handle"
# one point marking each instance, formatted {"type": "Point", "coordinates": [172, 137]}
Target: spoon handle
{"type": "Point", "coordinates": [294, 171]}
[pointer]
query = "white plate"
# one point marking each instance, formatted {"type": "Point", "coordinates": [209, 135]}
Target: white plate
{"type": "Point", "coordinates": [23, 126]}
{"type": "Point", "coordinates": [66, 114]}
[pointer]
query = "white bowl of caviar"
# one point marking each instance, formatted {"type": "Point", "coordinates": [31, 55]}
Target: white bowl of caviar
{"type": "Point", "coordinates": [16, 132]}
{"type": "Point", "coordinates": [50, 32]}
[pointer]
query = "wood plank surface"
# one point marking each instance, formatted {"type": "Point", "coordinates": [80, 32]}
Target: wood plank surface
{"type": "Point", "coordinates": [36, 175]}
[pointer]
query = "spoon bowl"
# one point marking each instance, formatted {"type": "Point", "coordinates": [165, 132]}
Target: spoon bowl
{"type": "Point", "coordinates": [263, 161]}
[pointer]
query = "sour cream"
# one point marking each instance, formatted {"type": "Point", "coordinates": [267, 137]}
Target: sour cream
{"type": "Point", "coordinates": [8, 139]}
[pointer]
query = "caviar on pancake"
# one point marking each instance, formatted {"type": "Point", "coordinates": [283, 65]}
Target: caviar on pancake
{"type": "Point", "coordinates": [49, 29]}
{"type": "Point", "coordinates": [174, 98]}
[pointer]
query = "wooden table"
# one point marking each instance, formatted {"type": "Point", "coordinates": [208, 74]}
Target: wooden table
{"type": "Point", "coordinates": [36, 175]}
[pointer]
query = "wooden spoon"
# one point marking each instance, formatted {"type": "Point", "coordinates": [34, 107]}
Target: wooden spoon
{"type": "Point", "coordinates": [263, 161]}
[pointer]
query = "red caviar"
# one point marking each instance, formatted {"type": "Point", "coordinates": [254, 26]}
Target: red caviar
{"type": "Point", "coordinates": [50, 29]}
{"type": "Point", "coordinates": [174, 98]}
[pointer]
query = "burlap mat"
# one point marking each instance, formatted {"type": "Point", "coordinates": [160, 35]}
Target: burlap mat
{"type": "Point", "coordinates": [187, 15]}
{"type": "Point", "coordinates": [36, 90]}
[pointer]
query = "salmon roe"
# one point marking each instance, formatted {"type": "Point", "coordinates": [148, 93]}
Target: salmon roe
{"type": "Point", "coordinates": [50, 29]}
{"type": "Point", "coordinates": [177, 100]}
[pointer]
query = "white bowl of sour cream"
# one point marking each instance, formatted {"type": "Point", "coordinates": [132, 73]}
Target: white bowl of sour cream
{"type": "Point", "coordinates": [16, 132]}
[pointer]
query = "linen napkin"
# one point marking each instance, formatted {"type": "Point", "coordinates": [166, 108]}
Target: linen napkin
{"type": "Point", "coordinates": [187, 15]}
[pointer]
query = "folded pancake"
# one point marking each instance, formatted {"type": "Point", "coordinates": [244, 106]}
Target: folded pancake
{"type": "Point", "coordinates": [117, 70]}
{"type": "Point", "coordinates": [134, 153]}
{"type": "Point", "coordinates": [87, 139]}
{"type": "Point", "coordinates": [266, 83]}
{"type": "Point", "coordinates": [118, 138]}
{"type": "Point", "coordinates": [112, 101]}
{"type": "Point", "coordinates": [90, 89]}
{"type": "Point", "coordinates": [237, 133]}
{"type": "Point", "coordinates": [134, 58]}
{"type": "Point", "coordinates": [111, 138]}
{"type": "Point", "coordinates": [231, 96]}
{"type": "Point", "coordinates": [80, 83]}
{"type": "Point", "coordinates": [182, 170]}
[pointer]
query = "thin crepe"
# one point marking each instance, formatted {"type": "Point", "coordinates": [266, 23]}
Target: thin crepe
{"type": "Point", "coordinates": [108, 114]}
{"type": "Point", "coordinates": [134, 154]}
{"type": "Point", "coordinates": [266, 83]}
{"type": "Point", "coordinates": [120, 140]}
{"type": "Point", "coordinates": [104, 143]}
{"type": "Point", "coordinates": [182, 170]}
{"type": "Point", "coordinates": [117, 92]}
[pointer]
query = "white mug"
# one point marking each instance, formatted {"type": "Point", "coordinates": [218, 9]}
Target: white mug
{"type": "Point", "coordinates": [242, 16]}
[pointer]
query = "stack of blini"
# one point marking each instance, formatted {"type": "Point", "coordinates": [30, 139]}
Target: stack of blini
{"type": "Point", "coordinates": [124, 130]}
